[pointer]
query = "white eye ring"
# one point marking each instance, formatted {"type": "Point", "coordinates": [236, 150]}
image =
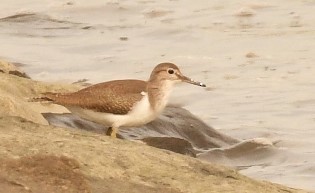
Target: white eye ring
{"type": "Point", "coordinates": [170, 71]}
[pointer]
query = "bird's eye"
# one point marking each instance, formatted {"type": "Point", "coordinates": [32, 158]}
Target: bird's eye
{"type": "Point", "coordinates": [170, 71]}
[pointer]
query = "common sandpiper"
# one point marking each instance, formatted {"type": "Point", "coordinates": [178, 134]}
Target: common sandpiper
{"type": "Point", "coordinates": [128, 102]}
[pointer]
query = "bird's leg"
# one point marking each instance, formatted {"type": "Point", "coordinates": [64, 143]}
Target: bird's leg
{"type": "Point", "coordinates": [114, 132]}
{"type": "Point", "coordinates": [111, 131]}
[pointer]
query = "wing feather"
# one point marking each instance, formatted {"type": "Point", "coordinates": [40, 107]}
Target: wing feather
{"type": "Point", "coordinates": [117, 97]}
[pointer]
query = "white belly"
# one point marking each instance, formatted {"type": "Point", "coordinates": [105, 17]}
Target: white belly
{"type": "Point", "coordinates": [141, 114]}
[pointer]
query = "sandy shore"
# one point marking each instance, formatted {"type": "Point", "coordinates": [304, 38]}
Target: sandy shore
{"type": "Point", "coordinates": [256, 57]}
{"type": "Point", "coordinates": [37, 157]}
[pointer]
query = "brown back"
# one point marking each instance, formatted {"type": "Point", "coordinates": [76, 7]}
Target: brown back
{"type": "Point", "coordinates": [115, 97]}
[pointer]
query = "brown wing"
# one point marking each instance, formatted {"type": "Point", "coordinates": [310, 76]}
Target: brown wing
{"type": "Point", "coordinates": [115, 97]}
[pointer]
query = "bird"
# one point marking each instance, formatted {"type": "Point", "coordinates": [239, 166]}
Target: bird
{"type": "Point", "coordinates": [128, 102]}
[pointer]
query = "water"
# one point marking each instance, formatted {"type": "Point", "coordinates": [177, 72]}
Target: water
{"type": "Point", "coordinates": [257, 59]}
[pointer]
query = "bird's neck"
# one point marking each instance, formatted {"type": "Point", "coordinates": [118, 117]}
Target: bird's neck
{"type": "Point", "coordinates": [159, 92]}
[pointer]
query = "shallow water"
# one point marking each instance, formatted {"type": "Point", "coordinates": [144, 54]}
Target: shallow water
{"type": "Point", "coordinates": [257, 59]}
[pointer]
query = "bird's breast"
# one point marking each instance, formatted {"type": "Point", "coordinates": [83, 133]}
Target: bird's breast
{"type": "Point", "coordinates": [141, 113]}
{"type": "Point", "coordinates": [159, 97]}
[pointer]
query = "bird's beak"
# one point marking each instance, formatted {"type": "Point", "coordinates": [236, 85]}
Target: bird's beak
{"type": "Point", "coordinates": [189, 80]}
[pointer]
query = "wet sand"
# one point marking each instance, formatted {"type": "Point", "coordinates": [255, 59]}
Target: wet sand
{"type": "Point", "coordinates": [257, 59]}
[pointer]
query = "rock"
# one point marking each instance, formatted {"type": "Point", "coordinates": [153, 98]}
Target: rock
{"type": "Point", "coordinates": [174, 144]}
{"type": "Point", "coordinates": [9, 68]}
{"type": "Point", "coordinates": [107, 165]}
{"type": "Point", "coordinates": [36, 157]}
{"type": "Point", "coordinates": [16, 93]}
{"type": "Point", "coordinates": [18, 73]}
{"type": "Point", "coordinates": [26, 174]}
{"type": "Point", "coordinates": [176, 130]}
